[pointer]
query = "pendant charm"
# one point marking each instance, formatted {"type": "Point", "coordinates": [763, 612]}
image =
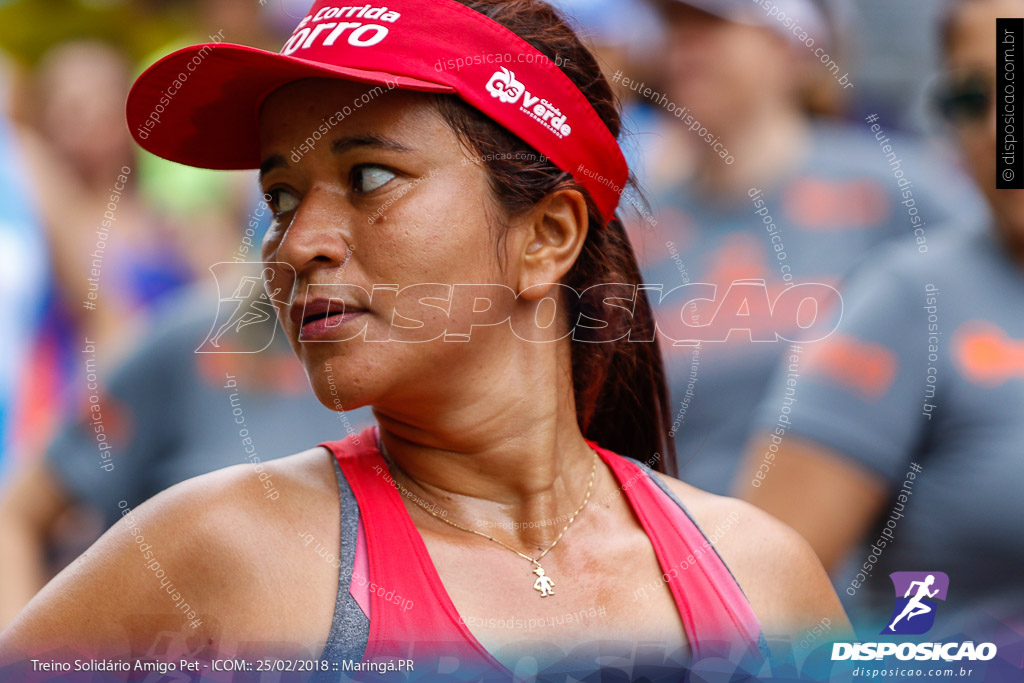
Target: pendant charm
{"type": "Point", "coordinates": [544, 584]}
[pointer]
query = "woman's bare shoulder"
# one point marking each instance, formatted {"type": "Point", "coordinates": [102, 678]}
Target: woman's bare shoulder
{"type": "Point", "coordinates": [777, 569]}
{"type": "Point", "coordinates": [208, 557]}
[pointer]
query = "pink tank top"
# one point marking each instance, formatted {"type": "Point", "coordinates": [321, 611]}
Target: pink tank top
{"type": "Point", "coordinates": [399, 574]}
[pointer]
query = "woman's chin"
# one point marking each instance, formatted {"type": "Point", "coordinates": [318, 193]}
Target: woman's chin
{"type": "Point", "coordinates": [327, 357]}
{"type": "Point", "coordinates": [337, 394]}
{"type": "Point", "coordinates": [333, 382]}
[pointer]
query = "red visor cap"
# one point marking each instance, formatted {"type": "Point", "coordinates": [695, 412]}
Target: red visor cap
{"type": "Point", "coordinates": [200, 106]}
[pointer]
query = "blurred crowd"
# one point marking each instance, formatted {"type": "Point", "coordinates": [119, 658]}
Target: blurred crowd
{"type": "Point", "coordinates": [113, 286]}
{"type": "Point", "coordinates": [847, 143]}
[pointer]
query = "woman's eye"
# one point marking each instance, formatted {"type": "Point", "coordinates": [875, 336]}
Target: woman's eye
{"type": "Point", "coordinates": [369, 178]}
{"type": "Point", "coordinates": [282, 201]}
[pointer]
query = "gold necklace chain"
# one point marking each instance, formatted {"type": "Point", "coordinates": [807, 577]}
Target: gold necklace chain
{"type": "Point", "coordinates": [544, 584]}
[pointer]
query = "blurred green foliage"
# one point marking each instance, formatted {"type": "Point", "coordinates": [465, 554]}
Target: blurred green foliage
{"type": "Point", "coordinates": [28, 28]}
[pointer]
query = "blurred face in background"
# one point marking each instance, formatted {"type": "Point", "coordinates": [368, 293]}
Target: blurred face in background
{"type": "Point", "coordinates": [726, 72]}
{"type": "Point", "coordinates": [83, 87]}
{"type": "Point", "coordinates": [969, 94]}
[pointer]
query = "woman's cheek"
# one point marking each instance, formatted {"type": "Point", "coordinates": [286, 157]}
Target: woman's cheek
{"type": "Point", "coordinates": [271, 241]}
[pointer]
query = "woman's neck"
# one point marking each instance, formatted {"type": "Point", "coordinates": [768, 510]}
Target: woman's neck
{"type": "Point", "coordinates": [505, 451]}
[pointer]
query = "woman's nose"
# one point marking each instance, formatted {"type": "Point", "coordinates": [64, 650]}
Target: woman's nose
{"type": "Point", "coordinates": [319, 233]}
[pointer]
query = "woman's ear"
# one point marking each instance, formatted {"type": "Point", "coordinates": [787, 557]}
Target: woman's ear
{"type": "Point", "coordinates": [555, 232]}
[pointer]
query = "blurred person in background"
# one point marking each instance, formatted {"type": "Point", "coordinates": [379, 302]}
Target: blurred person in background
{"type": "Point", "coordinates": [113, 256]}
{"type": "Point", "coordinates": [166, 414]}
{"type": "Point", "coordinates": [122, 225]}
{"type": "Point", "coordinates": [775, 196]}
{"type": "Point", "coordinates": [625, 37]}
{"type": "Point", "coordinates": [906, 446]}
{"type": "Point", "coordinates": [82, 167]}
{"type": "Point", "coordinates": [24, 270]}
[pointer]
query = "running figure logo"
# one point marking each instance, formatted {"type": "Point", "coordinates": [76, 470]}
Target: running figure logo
{"type": "Point", "coordinates": [246, 319]}
{"type": "Point", "coordinates": [916, 593]}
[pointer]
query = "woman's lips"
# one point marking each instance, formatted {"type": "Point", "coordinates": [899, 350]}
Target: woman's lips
{"type": "Point", "coordinates": [323, 318]}
{"type": "Point", "coordinates": [328, 326]}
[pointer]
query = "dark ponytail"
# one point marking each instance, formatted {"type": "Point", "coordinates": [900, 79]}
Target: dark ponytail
{"type": "Point", "coordinates": [620, 389]}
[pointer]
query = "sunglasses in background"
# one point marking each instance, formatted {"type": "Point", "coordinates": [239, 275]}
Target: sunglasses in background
{"type": "Point", "coordinates": [965, 98]}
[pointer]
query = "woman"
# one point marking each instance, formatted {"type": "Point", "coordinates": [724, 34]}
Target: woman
{"type": "Point", "coordinates": [495, 461]}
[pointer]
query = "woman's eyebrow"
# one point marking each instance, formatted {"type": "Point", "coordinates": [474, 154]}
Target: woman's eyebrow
{"type": "Point", "coordinates": [374, 141]}
{"type": "Point", "coordinates": [270, 163]}
{"type": "Point", "coordinates": [340, 146]}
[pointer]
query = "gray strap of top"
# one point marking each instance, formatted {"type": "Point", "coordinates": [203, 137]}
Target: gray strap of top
{"type": "Point", "coordinates": [762, 643]}
{"type": "Point", "coordinates": [665, 489]}
{"type": "Point", "coordinates": [350, 628]}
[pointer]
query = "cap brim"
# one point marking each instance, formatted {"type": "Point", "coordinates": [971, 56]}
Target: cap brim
{"type": "Point", "coordinates": [210, 119]}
